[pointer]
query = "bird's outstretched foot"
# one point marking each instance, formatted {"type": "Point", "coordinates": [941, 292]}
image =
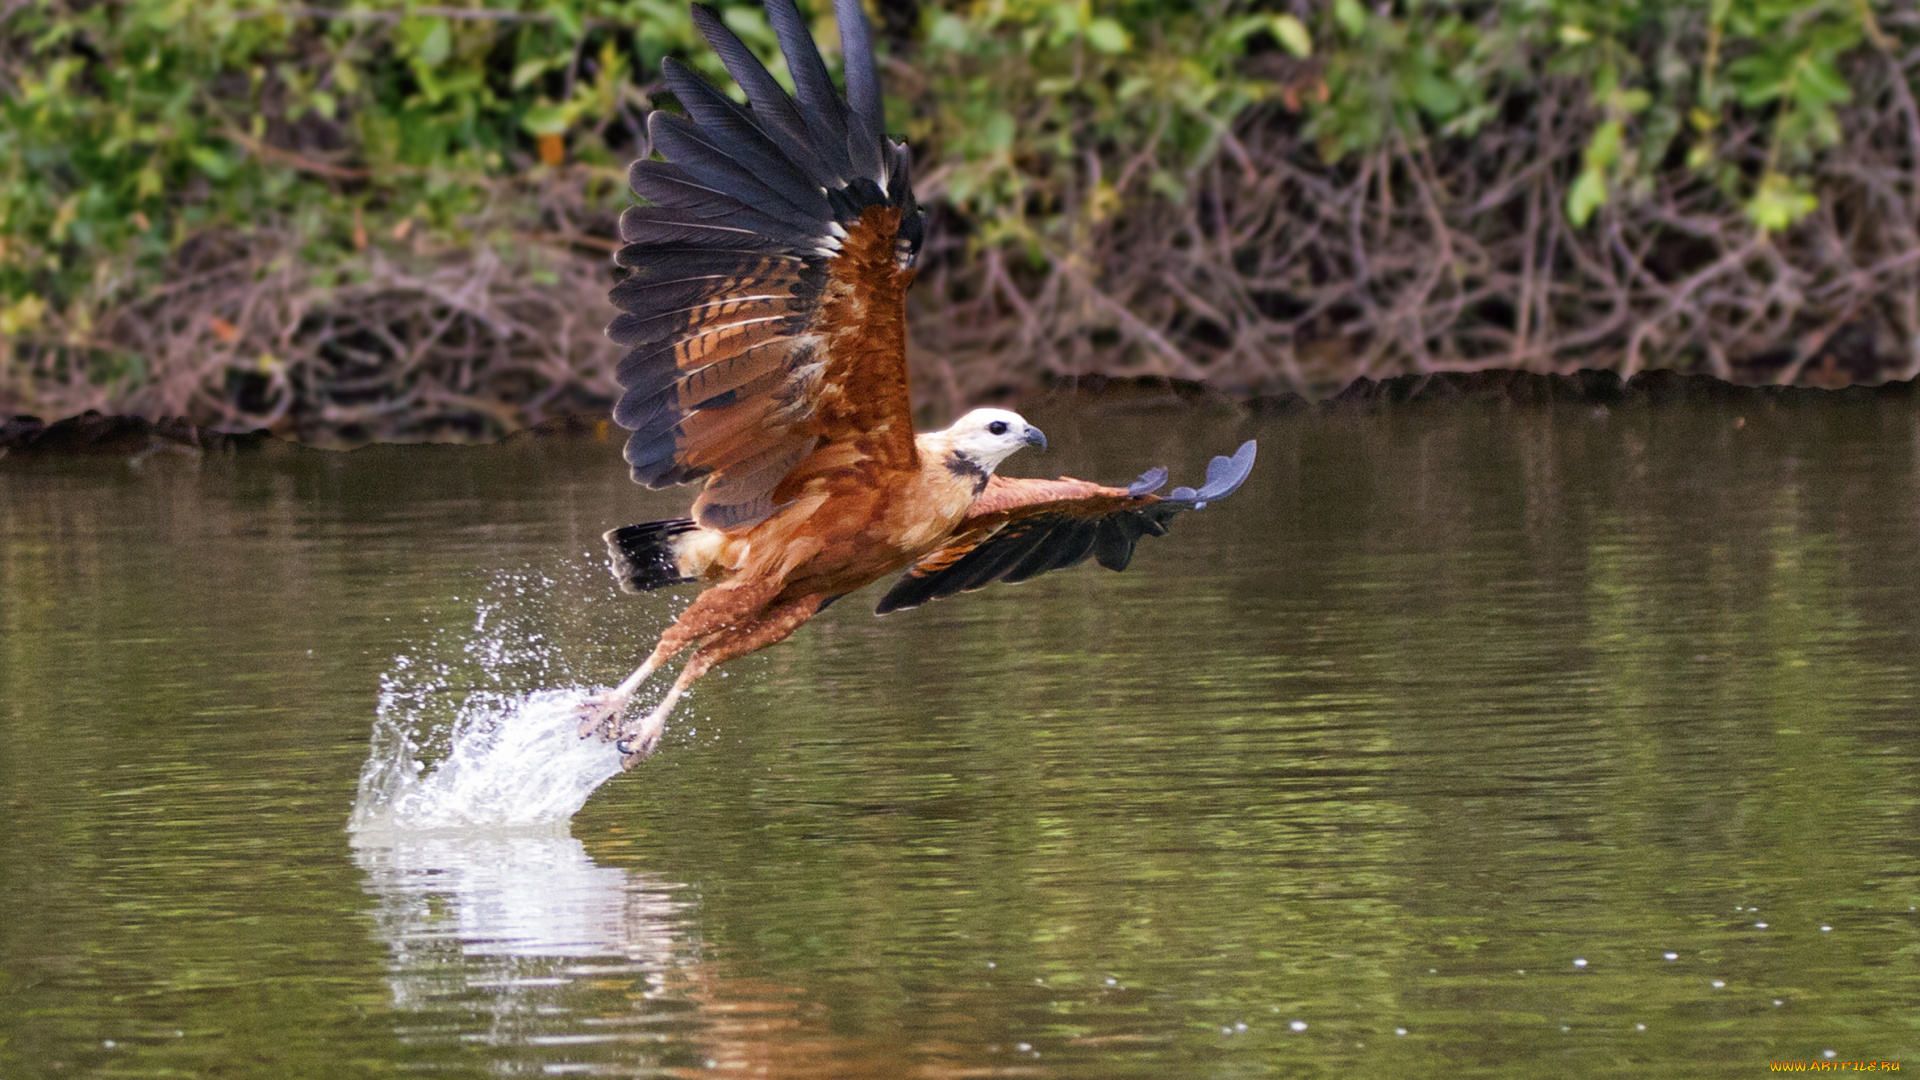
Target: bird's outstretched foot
{"type": "Point", "coordinates": [600, 715]}
{"type": "Point", "coordinates": [637, 742]}
{"type": "Point", "coordinates": [636, 748]}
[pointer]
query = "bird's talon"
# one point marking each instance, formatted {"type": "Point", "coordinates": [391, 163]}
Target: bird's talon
{"type": "Point", "coordinates": [599, 716]}
{"type": "Point", "coordinates": [635, 749]}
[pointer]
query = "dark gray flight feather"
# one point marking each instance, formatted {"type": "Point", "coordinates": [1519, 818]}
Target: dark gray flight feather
{"type": "Point", "coordinates": [820, 107]}
{"type": "Point", "coordinates": [772, 106]}
{"type": "Point", "coordinates": [749, 205]}
{"type": "Point", "coordinates": [863, 92]}
{"type": "Point", "coordinates": [730, 128]}
{"type": "Point", "coordinates": [1053, 541]}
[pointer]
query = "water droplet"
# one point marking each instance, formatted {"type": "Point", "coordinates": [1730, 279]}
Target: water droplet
{"type": "Point", "coordinates": [1719, 984]}
{"type": "Point", "coordinates": [1671, 955]}
{"type": "Point", "coordinates": [1579, 962]}
{"type": "Point", "coordinates": [1298, 1025]}
{"type": "Point", "coordinates": [1399, 1031]}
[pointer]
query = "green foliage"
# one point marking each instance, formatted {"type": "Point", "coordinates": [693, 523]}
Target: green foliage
{"type": "Point", "coordinates": [1657, 75]}
{"type": "Point", "coordinates": [1031, 94]}
{"type": "Point", "coordinates": [1027, 92]}
{"type": "Point", "coordinates": [131, 128]}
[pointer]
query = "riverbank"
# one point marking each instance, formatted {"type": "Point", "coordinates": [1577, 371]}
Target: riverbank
{"type": "Point", "coordinates": [92, 433]}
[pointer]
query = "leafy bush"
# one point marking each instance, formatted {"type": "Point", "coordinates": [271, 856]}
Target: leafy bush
{"type": "Point", "coordinates": [1672, 139]}
{"type": "Point", "coordinates": [136, 131]}
{"type": "Point", "coordinates": [167, 164]}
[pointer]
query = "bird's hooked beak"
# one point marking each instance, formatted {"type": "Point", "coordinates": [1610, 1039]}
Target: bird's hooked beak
{"type": "Point", "coordinates": [1036, 437]}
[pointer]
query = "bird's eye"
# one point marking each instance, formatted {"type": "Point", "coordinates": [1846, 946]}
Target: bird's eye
{"type": "Point", "coordinates": [998, 427]}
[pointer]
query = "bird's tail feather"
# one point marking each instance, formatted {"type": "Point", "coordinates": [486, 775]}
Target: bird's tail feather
{"type": "Point", "coordinates": [646, 556]}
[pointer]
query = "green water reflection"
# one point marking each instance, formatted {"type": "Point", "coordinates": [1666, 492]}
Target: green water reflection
{"type": "Point", "coordinates": [1440, 704]}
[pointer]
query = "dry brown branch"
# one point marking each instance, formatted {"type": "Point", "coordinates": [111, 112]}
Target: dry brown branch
{"type": "Point", "coordinates": [1283, 273]}
{"type": "Point", "coordinates": [1279, 272]}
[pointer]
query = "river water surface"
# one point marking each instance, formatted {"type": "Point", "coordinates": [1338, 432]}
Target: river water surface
{"type": "Point", "coordinates": [1540, 741]}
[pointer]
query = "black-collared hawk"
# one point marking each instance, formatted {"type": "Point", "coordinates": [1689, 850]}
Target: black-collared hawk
{"type": "Point", "coordinates": [765, 306]}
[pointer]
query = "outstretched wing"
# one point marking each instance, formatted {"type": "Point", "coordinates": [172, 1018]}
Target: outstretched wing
{"type": "Point", "coordinates": [766, 301]}
{"type": "Point", "coordinates": [1020, 528]}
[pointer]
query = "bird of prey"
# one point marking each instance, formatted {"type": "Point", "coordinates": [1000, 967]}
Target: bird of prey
{"type": "Point", "coordinates": [765, 306]}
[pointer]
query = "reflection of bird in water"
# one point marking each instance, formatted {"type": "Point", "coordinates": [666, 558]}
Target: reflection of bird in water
{"type": "Point", "coordinates": [766, 310]}
{"type": "Point", "coordinates": [501, 925]}
{"type": "Point", "coordinates": [519, 947]}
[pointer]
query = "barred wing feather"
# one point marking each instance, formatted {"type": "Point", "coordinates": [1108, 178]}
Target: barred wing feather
{"type": "Point", "coordinates": [764, 304]}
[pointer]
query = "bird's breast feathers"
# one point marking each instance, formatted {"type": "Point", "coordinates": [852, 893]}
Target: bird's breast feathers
{"type": "Point", "coordinates": [935, 501]}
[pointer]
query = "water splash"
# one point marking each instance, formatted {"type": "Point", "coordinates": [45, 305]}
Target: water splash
{"type": "Point", "coordinates": [459, 742]}
{"type": "Point", "coordinates": [512, 764]}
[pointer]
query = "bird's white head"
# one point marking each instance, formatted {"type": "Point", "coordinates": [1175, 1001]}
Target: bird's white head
{"type": "Point", "coordinates": [985, 437]}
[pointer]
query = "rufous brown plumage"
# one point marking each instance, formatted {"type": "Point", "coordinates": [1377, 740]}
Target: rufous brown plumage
{"type": "Point", "coordinates": [765, 308]}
